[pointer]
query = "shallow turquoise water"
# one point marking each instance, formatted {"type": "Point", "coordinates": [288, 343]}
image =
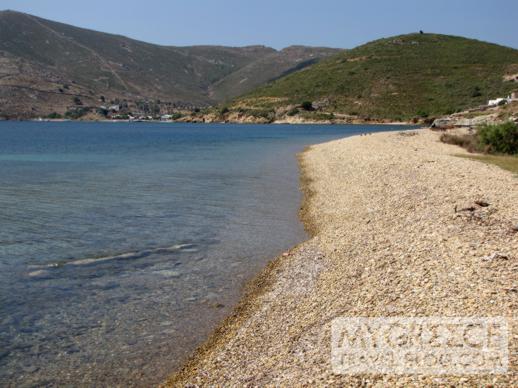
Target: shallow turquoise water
{"type": "Point", "coordinates": [121, 245]}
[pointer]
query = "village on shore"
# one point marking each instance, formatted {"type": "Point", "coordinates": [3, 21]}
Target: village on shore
{"type": "Point", "coordinates": [149, 112]}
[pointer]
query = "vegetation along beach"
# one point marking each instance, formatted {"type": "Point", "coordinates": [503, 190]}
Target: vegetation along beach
{"type": "Point", "coordinates": [258, 194]}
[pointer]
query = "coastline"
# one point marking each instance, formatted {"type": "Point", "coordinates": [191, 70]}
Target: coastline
{"type": "Point", "coordinates": [252, 291]}
{"type": "Point", "coordinates": [390, 253]}
{"type": "Point", "coordinates": [214, 120]}
{"type": "Point", "coordinates": [254, 288]}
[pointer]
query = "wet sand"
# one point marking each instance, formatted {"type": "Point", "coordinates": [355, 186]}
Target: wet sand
{"type": "Point", "coordinates": [391, 237]}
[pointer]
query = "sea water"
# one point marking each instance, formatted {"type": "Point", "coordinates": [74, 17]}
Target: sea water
{"type": "Point", "coordinates": [122, 245]}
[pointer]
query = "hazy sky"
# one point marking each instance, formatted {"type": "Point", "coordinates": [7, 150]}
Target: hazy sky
{"type": "Point", "coordinates": [280, 23]}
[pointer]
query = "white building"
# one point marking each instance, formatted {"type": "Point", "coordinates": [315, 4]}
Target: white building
{"type": "Point", "coordinates": [498, 101]}
{"type": "Point", "coordinates": [507, 100]}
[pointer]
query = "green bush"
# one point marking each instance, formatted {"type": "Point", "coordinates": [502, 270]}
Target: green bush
{"type": "Point", "coordinates": [292, 112]}
{"type": "Point", "coordinates": [264, 113]}
{"type": "Point", "coordinates": [102, 111]}
{"type": "Point", "coordinates": [307, 105]}
{"type": "Point", "coordinates": [54, 115]}
{"type": "Point", "coordinates": [224, 110]}
{"type": "Point", "coordinates": [476, 92]}
{"type": "Point", "coordinates": [324, 116]}
{"type": "Point", "coordinates": [77, 113]}
{"type": "Point", "coordinates": [499, 138]}
{"type": "Point", "coordinates": [449, 111]}
{"type": "Point", "coordinates": [267, 114]}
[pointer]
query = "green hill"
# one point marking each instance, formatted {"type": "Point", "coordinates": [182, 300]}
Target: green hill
{"type": "Point", "coordinates": [398, 78]}
{"type": "Point", "coordinates": [267, 68]}
{"type": "Point", "coordinates": [44, 65]}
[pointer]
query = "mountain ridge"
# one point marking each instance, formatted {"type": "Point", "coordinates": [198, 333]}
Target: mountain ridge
{"type": "Point", "coordinates": [45, 64]}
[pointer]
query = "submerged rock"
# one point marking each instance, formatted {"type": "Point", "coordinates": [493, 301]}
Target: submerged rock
{"type": "Point", "coordinates": [39, 274]}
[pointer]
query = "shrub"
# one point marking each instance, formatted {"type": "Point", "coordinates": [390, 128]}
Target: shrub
{"type": "Point", "coordinates": [499, 138]}
{"type": "Point", "coordinates": [267, 114]}
{"type": "Point", "coordinates": [422, 113]}
{"type": "Point", "coordinates": [76, 113]}
{"type": "Point", "coordinates": [450, 111]}
{"type": "Point", "coordinates": [324, 116]}
{"type": "Point", "coordinates": [307, 105]}
{"type": "Point", "coordinates": [176, 116]}
{"type": "Point", "coordinates": [54, 115]}
{"type": "Point", "coordinates": [77, 101]}
{"type": "Point", "coordinates": [292, 112]}
{"type": "Point", "coordinates": [468, 141]}
{"type": "Point", "coordinates": [102, 111]}
{"type": "Point", "coordinates": [263, 113]}
{"type": "Point", "coordinates": [476, 92]}
{"type": "Point", "coordinates": [224, 110]}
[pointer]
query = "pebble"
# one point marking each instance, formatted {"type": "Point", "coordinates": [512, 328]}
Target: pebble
{"type": "Point", "coordinates": [169, 273]}
{"type": "Point", "coordinates": [414, 259]}
{"type": "Point", "coordinates": [30, 368]}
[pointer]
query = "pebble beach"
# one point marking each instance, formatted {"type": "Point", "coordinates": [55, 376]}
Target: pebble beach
{"type": "Point", "coordinates": [400, 227]}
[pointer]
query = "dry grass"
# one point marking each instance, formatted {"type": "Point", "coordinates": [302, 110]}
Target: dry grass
{"type": "Point", "coordinates": [506, 162]}
{"type": "Point", "coordinates": [467, 141]}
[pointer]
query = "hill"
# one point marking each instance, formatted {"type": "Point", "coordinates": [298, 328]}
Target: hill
{"type": "Point", "coordinates": [268, 68]}
{"type": "Point", "coordinates": [47, 66]}
{"type": "Point", "coordinates": [406, 77]}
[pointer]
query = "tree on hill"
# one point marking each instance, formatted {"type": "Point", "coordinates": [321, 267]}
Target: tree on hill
{"type": "Point", "coordinates": [307, 105]}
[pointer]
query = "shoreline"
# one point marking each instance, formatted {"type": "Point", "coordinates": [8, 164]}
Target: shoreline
{"type": "Point", "coordinates": [250, 346]}
{"type": "Point", "coordinates": [210, 121]}
{"type": "Point", "coordinates": [252, 290]}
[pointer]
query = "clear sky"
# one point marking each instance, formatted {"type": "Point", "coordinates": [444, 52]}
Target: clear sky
{"type": "Point", "coordinates": [280, 23]}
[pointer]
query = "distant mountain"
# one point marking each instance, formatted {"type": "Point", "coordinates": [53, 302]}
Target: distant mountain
{"type": "Point", "coordinates": [404, 77]}
{"type": "Point", "coordinates": [268, 68]}
{"type": "Point", "coordinates": [47, 67]}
